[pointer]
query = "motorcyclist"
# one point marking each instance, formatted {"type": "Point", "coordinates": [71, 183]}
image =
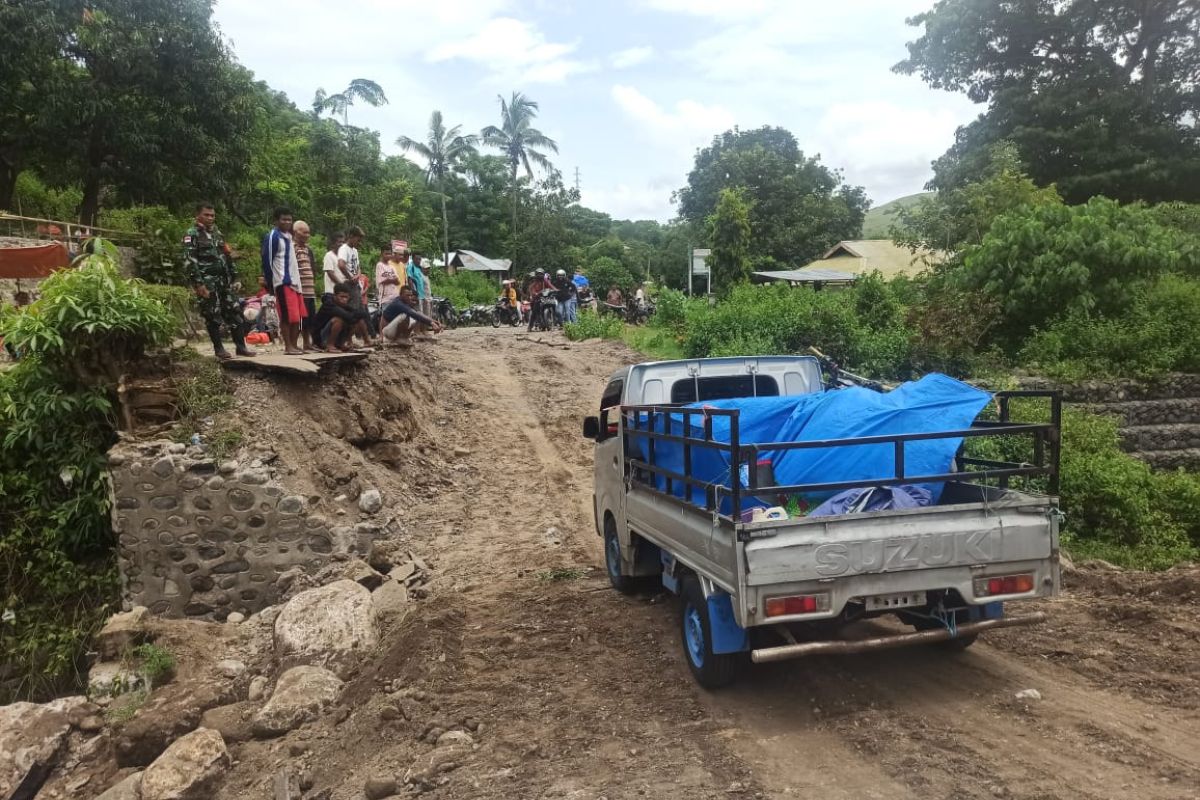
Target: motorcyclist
{"type": "Point", "coordinates": [540, 281]}
{"type": "Point", "coordinates": [565, 291]}
{"type": "Point", "coordinates": [508, 294]}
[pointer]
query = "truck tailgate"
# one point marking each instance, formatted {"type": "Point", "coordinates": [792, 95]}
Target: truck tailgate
{"type": "Point", "coordinates": [933, 538]}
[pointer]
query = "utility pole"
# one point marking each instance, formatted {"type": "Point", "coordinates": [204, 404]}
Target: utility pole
{"type": "Point", "coordinates": [577, 179]}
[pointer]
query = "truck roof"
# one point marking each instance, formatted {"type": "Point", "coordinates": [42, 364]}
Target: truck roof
{"type": "Point", "coordinates": [795, 374]}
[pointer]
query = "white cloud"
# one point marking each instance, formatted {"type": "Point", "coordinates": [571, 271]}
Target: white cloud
{"type": "Point", "coordinates": [882, 145]}
{"type": "Point", "coordinates": [719, 9]}
{"type": "Point", "coordinates": [512, 50]}
{"type": "Point", "coordinates": [632, 57]}
{"type": "Point", "coordinates": [651, 200]}
{"type": "Point", "coordinates": [687, 124]}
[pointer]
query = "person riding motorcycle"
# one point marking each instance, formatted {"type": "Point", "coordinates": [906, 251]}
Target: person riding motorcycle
{"type": "Point", "coordinates": [540, 282]}
{"type": "Point", "coordinates": [509, 294]}
{"type": "Point", "coordinates": [565, 291]}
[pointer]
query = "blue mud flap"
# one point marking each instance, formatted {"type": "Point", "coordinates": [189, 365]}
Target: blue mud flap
{"type": "Point", "coordinates": [670, 582]}
{"type": "Point", "coordinates": [985, 611]}
{"type": "Point", "coordinates": [727, 635]}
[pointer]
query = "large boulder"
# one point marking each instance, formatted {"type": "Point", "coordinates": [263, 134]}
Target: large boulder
{"type": "Point", "coordinates": [331, 626]}
{"type": "Point", "coordinates": [170, 713]}
{"type": "Point", "coordinates": [300, 695]}
{"type": "Point", "coordinates": [32, 734]}
{"type": "Point", "coordinates": [189, 769]}
{"type": "Point", "coordinates": [122, 633]}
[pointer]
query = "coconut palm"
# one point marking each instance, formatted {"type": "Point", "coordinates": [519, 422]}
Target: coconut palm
{"type": "Point", "coordinates": [368, 91]}
{"type": "Point", "coordinates": [516, 138]}
{"type": "Point", "coordinates": [444, 150]}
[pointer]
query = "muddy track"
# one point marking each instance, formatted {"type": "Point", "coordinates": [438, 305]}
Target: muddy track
{"type": "Point", "coordinates": [583, 693]}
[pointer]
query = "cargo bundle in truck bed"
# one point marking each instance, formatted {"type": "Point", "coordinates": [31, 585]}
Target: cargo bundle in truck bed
{"type": "Point", "coordinates": [784, 516]}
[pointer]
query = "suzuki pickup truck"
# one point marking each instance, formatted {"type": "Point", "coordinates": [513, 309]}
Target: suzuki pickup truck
{"type": "Point", "coordinates": [766, 587]}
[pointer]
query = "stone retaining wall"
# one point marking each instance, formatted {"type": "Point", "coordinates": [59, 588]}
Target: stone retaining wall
{"type": "Point", "coordinates": [202, 539]}
{"type": "Point", "coordinates": [1160, 417]}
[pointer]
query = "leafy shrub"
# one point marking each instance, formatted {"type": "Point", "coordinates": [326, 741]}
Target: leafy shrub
{"type": "Point", "coordinates": [605, 272]}
{"type": "Point", "coordinates": [1043, 263]}
{"type": "Point", "coordinates": [779, 319]}
{"type": "Point", "coordinates": [464, 288]}
{"type": "Point", "coordinates": [593, 326]}
{"type": "Point", "coordinates": [57, 420]}
{"type": "Point", "coordinates": [32, 198]}
{"type": "Point", "coordinates": [670, 309]}
{"type": "Point", "coordinates": [155, 662]}
{"type": "Point", "coordinates": [1160, 331]}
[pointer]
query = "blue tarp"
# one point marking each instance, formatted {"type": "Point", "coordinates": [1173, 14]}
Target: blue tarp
{"type": "Point", "coordinates": [934, 403]}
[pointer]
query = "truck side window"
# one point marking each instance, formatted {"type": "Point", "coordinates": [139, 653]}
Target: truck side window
{"type": "Point", "coordinates": [609, 401]}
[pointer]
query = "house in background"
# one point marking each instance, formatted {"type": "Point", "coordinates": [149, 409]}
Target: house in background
{"type": "Point", "coordinates": [846, 261]}
{"type": "Point", "coordinates": [470, 261]}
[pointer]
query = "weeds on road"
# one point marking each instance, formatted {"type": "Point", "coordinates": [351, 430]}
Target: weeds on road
{"type": "Point", "coordinates": [559, 574]}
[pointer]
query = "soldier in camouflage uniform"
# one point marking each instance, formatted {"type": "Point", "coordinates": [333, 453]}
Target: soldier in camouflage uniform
{"type": "Point", "coordinates": [209, 267]}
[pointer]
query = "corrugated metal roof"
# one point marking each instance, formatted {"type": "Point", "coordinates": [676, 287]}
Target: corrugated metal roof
{"type": "Point", "coordinates": [807, 275]}
{"type": "Point", "coordinates": [473, 262]}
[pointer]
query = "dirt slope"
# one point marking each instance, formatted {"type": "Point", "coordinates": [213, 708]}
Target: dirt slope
{"type": "Point", "coordinates": [573, 691]}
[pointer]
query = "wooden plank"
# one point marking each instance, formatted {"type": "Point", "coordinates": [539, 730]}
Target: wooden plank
{"type": "Point", "coordinates": [294, 365]}
{"type": "Point", "coordinates": [326, 358]}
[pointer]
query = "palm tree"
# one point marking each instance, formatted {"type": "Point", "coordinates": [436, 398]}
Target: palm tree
{"type": "Point", "coordinates": [368, 91]}
{"type": "Point", "coordinates": [516, 138]}
{"type": "Point", "coordinates": [444, 151]}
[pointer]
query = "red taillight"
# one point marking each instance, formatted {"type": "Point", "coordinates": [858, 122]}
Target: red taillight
{"type": "Point", "coordinates": [1006, 584]}
{"type": "Point", "coordinates": [800, 604]}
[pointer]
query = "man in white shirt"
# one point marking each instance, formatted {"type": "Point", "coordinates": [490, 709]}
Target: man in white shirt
{"type": "Point", "coordinates": [349, 264]}
{"type": "Point", "coordinates": [333, 273]}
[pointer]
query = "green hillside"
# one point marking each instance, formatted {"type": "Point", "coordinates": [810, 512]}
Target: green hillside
{"type": "Point", "coordinates": [880, 218]}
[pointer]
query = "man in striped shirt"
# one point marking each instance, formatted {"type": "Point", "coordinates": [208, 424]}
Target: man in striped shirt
{"type": "Point", "coordinates": [304, 263]}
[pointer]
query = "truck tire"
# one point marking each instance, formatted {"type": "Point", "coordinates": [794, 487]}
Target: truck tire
{"type": "Point", "coordinates": [625, 584]}
{"type": "Point", "coordinates": [712, 671]}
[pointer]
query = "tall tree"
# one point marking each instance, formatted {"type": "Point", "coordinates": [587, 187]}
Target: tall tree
{"type": "Point", "coordinates": [799, 207]}
{"type": "Point", "coordinates": [444, 150]}
{"type": "Point", "coordinates": [31, 38]}
{"type": "Point", "coordinates": [729, 231]}
{"type": "Point", "coordinates": [363, 89]}
{"type": "Point", "coordinates": [1100, 96]}
{"type": "Point", "coordinates": [517, 139]}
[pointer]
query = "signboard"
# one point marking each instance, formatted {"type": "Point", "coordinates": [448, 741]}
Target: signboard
{"type": "Point", "coordinates": [399, 245]}
{"type": "Point", "coordinates": [699, 261]}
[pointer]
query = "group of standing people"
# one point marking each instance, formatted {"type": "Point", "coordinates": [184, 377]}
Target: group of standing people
{"type": "Point", "coordinates": [289, 277]}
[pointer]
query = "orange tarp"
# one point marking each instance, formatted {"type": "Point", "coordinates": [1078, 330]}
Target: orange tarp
{"type": "Point", "coordinates": [32, 262]}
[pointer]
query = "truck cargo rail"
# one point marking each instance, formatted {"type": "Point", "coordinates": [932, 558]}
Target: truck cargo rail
{"type": "Point", "coordinates": [652, 424]}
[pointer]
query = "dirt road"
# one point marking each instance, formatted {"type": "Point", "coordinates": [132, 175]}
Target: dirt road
{"type": "Point", "coordinates": [578, 692]}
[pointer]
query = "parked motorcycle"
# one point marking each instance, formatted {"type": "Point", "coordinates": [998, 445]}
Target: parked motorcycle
{"type": "Point", "coordinates": [586, 299]}
{"type": "Point", "coordinates": [443, 312]}
{"type": "Point", "coordinates": [505, 313]}
{"type": "Point", "coordinates": [638, 313]}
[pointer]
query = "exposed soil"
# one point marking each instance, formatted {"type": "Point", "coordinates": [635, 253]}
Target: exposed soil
{"type": "Point", "coordinates": [570, 690]}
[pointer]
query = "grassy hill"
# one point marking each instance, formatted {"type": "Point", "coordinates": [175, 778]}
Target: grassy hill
{"type": "Point", "coordinates": [879, 219]}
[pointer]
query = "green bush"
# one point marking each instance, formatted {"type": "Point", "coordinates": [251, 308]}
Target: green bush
{"type": "Point", "coordinates": [464, 288]}
{"type": "Point", "coordinates": [57, 420]}
{"type": "Point", "coordinates": [779, 319]}
{"type": "Point", "coordinates": [593, 326]}
{"type": "Point", "coordinates": [160, 246]}
{"type": "Point", "coordinates": [32, 198]}
{"type": "Point", "coordinates": [671, 307]}
{"type": "Point", "coordinates": [1158, 332]}
{"type": "Point", "coordinates": [1041, 264]}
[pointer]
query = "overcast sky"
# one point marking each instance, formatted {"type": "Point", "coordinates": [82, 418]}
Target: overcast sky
{"type": "Point", "coordinates": [628, 88]}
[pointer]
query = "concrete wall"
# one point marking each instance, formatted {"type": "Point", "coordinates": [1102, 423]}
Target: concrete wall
{"type": "Point", "coordinates": [202, 539]}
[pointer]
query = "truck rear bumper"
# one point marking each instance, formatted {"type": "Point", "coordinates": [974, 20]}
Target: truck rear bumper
{"type": "Point", "coordinates": [789, 651]}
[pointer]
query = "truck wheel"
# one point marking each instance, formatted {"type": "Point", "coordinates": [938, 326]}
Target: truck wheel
{"type": "Point", "coordinates": [710, 670]}
{"type": "Point", "coordinates": [625, 584]}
